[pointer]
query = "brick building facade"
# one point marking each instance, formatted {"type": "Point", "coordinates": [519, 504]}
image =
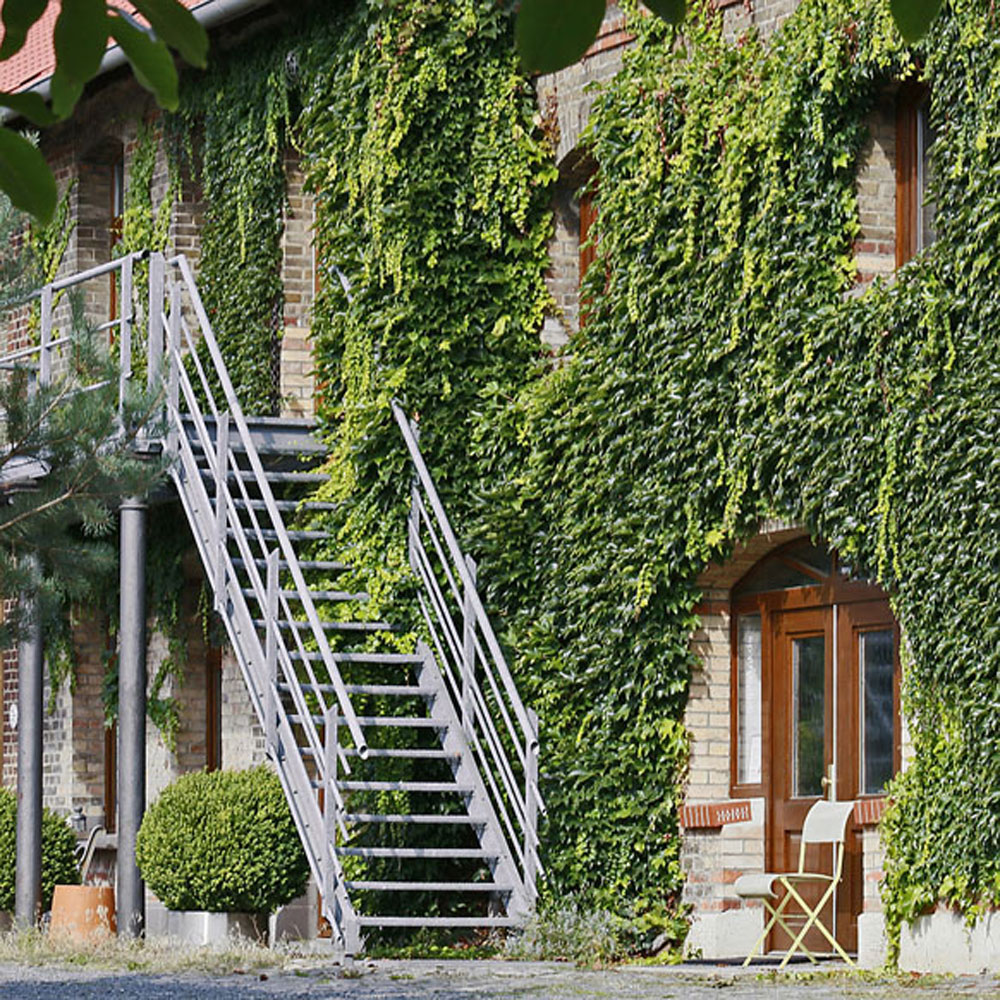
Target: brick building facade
{"type": "Point", "coordinates": [724, 833]}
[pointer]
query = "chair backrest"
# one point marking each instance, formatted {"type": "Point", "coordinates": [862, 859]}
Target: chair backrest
{"type": "Point", "coordinates": [826, 823]}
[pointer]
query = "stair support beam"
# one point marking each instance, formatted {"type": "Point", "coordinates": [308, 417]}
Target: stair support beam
{"type": "Point", "coordinates": [28, 875]}
{"type": "Point", "coordinates": [531, 808]}
{"type": "Point", "coordinates": [131, 904]}
{"type": "Point", "coordinates": [173, 376]}
{"type": "Point", "coordinates": [221, 468]}
{"type": "Point", "coordinates": [154, 346]}
{"type": "Point", "coordinates": [271, 655]}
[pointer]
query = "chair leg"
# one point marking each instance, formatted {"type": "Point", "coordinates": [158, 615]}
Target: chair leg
{"type": "Point", "coordinates": [812, 919]}
{"type": "Point", "coordinates": [775, 918]}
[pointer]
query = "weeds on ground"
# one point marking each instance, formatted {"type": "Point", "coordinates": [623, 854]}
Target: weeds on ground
{"type": "Point", "coordinates": [883, 976]}
{"type": "Point", "coordinates": [156, 955]}
{"type": "Point", "coordinates": [570, 934]}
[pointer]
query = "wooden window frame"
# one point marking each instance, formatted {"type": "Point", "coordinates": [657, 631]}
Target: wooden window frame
{"type": "Point", "coordinates": [835, 589]}
{"type": "Point", "coordinates": [909, 196]}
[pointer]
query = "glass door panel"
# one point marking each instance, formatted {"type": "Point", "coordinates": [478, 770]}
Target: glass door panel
{"type": "Point", "coordinates": [876, 663]}
{"type": "Point", "coordinates": [809, 715]}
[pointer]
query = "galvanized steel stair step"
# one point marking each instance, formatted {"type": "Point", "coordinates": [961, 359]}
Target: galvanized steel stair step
{"type": "Point", "coordinates": [400, 721]}
{"type": "Point", "coordinates": [395, 753]}
{"type": "Point", "coordinates": [317, 595]}
{"type": "Point", "coordinates": [415, 819]}
{"type": "Point", "coordinates": [354, 656]}
{"type": "Point", "coordinates": [319, 565]}
{"type": "Point", "coordinates": [404, 753]}
{"type": "Point", "coordinates": [269, 534]}
{"type": "Point", "coordinates": [496, 887]}
{"type": "Point", "coordinates": [289, 506]}
{"type": "Point", "coordinates": [439, 853]}
{"type": "Point", "coordinates": [430, 787]}
{"type": "Point", "coordinates": [284, 624]}
{"type": "Point", "coordinates": [380, 921]}
{"type": "Point", "coordinates": [272, 476]}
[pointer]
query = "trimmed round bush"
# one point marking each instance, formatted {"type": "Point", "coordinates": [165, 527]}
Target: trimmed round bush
{"type": "Point", "coordinates": [58, 852]}
{"type": "Point", "coordinates": [222, 841]}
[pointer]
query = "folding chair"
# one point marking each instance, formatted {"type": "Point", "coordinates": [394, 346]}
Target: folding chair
{"type": "Point", "coordinates": [826, 823]}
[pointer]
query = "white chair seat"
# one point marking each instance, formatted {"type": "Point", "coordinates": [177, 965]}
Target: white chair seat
{"type": "Point", "coordinates": [757, 885]}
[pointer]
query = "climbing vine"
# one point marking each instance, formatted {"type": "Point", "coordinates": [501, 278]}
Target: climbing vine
{"type": "Point", "coordinates": [729, 371]}
{"type": "Point", "coordinates": [235, 119]}
{"type": "Point", "coordinates": [431, 181]}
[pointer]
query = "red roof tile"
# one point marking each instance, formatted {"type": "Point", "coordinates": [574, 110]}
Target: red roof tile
{"type": "Point", "coordinates": [36, 61]}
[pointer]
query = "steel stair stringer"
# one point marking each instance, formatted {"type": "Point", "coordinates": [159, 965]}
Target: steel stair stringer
{"type": "Point", "coordinates": [281, 747]}
{"type": "Point", "coordinates": [521, 905]}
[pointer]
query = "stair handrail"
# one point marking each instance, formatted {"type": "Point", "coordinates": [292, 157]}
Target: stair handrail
{"type": "Point", "coordinates": [465, 645]}
{"type": "Point", "coordinates": [235, 411]}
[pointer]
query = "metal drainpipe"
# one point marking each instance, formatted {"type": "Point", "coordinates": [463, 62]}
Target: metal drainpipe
{"type": "Point", "coordinates": [131, 904]}
{"type": "Point", "coordinates": [28, 879]}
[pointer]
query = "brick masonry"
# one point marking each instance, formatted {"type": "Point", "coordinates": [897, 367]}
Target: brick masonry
{"type": "Point", "coordinates": [104, 128]}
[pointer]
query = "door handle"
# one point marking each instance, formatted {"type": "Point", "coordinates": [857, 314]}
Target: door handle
{"type": "Point", "coordinates": [829, 782]}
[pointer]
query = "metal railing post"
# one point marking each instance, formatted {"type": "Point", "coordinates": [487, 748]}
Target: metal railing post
{"type": "Point", "coordinates": [271, 651]}
{"type": "Point", "coordinates": [154, 346]}
{"type": "Point", "coordinates": [125, 335]}
{"type": "Point", "coordinates": [468, 651]}
{"type": "Point", "coordinates": [221, 473]}
{"type": "Point", "coordinates": [173, 363]}
{"type": "Point", "coordinates": [45, 355]}
{"type": "Point", "coordinates": [531, 807]}
{"type": "Point", "coordinates": [331, 721]}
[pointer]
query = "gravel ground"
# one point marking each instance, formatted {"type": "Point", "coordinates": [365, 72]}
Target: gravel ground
{"type": "Point", "coordinates": [484, 980]}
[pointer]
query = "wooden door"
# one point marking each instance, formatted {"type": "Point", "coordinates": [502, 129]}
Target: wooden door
{"type": "Point", "coordinates": [802, 721]}
{"type": "Point", "coordinates": [853, 646]}
{"type": "Point", "coordinates": [867, 731]}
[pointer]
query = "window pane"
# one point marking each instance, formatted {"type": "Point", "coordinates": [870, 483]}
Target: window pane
{"type": "Point", "coordinates": [875, 667]}
{"type": "Point", "coordinates": [926, 209]}
{"type": "Point", "coordinates": [809, 722]}
{"type": "Point", "coordinates": [748, 732]}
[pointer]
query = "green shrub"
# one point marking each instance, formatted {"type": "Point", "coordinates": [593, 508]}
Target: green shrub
{"type": "Point", "coordinates": [58, 847]}
{"type": "Point", "coordinates": [222, 841]}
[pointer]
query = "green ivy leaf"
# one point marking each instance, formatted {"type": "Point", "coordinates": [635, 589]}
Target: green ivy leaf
{"type": "Point", "coordinates": [25, 176]}
{"type": "Point", "coordinates": [64, 93]}
{"type": "Point", "coordinates": [553, 34]}
{"type": "Point", "coordinates": [178, 27]}
{"type": "Point", "coordinates": [18, 17]}
{"type": "Point", "coordinates": [30, 106]}
{"type": "Point", "coordinates": [914, 17]}
{"type": "Point", "coordinates": [80, 37]}
{"type": "Point", "coordinates": [672, 11]}
{"type": "Point", "coordinates": [151, 61]}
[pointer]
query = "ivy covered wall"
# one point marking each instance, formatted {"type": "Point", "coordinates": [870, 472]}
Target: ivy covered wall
{"type": "Point", "coordinates": [725, 375]}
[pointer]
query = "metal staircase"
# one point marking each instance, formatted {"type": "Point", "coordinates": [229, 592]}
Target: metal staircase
{"type": "Point", "coordinates": [412, 776]}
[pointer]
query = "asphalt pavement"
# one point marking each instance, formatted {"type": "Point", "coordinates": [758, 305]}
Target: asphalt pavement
{"type": "Point", "coordinates": [472, 980]}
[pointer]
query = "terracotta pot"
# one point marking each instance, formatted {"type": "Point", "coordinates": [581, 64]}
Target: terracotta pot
{"type": "Point", "coordinates": [82, 912]}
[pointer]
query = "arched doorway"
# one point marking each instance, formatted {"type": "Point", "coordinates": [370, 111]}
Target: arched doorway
{"type": "Point", "coordinates": [814, 703]}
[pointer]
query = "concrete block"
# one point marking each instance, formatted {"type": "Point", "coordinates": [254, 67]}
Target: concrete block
{"type": "Point", "coordinates": [198, 927]}
{"type": "Point", "coordinates": [942, 942]}
{"type": "Point", "coordinates": [873, 945]}
{"type": "Point", "coordinates": [728, 934]}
